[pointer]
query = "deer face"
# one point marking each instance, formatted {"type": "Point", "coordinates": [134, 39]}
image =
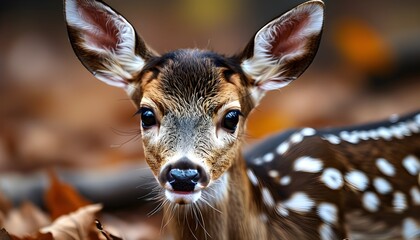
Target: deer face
{"type": "Point", "coordinates": [192, 103]}
{"type": "Point", "coordinates": [192, 109]}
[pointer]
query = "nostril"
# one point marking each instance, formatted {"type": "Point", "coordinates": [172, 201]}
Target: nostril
{"type": "Point", "coordinates": [184, 175]}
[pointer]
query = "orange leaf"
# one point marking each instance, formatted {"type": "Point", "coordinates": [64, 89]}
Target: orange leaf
{"type": "Point", "coordinates": [62, 198]}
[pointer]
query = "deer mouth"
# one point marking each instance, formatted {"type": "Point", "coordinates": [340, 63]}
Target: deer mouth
{"type": "Point", "coordinates": [182, 197]}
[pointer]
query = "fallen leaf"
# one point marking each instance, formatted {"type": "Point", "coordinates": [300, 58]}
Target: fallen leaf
{"type": "Point", "coordinates": [62, 198]}
{"type": "Point", "coordinates": [25, 220]}
{"type": "Point", "coordinates": [76, 225]}
{"type": "Point", "coordinates": [4, 235]}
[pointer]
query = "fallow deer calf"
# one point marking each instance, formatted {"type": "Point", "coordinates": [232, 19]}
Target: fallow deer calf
{"type": "Point", "coordinates": [358, 182]}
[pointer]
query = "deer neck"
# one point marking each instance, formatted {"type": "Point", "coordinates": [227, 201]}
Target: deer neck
{"type": "Point", "coordinates": [233, 216]}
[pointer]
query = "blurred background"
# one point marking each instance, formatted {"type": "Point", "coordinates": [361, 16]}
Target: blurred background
{"type": "Point", "coordinates": [53, 113]}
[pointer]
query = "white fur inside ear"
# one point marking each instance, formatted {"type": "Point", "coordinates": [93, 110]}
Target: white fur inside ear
{"type": "Point", "coordinates": [120, 62]}
{"type": "Point", "coordinates": [268, 67]}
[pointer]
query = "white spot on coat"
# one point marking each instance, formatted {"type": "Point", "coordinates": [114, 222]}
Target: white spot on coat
{"type": "Point", "coordinates": [350, 137]}
{"type": "Point", "coordinates": [268, 157]}
{"type": "Point", "coordinates": [281, 210]}
{"type": "Point", "coordinates": [308, 164]}
{"type": "Point", "coordinates": [357, 180]}
{"type": "Point", "coordinates": [267, 197]}
{"type": "Point", "coordinates": [285, 180]}
{"type": "Point", "coordinates": [282, 148]}
{"type": "Point", "coordinates": [399, 202]}
{"type": "Point", "coordinates": [296, 138]}
{"type": "Point", "coordinates": [410, 229]}
{"type": "Point", "coordinates": [382, 186]}
{"type": "Point", "coordinates": [385, 167]}
{"type": "Point", "coordinates": [332, 178]}
{"type": "Point", "coordinates": [415, 195]}
{"type": "Point", "coordinates": [332, 139]}
{"type": "Point", "coordinates": [384, 133]}
{"type": "Point", "coordinates": [299, 202]}
{"type": "Point", "coordinates": [326, 232]}
{"type": "Point", "coordinates": [258, 161]}
{"type": "Point", "coordinates": [308, 132]}
{"type": "Point", "coordinates": [370, 201]}
{"type": "Point", "coordinates": [273, 173]}
{"type": "Point", "coordinates": [412, 126]}
{"type": "Point", "coordinates": [396, 131]}
{"type": "Point", "coordinates": [411, 164]}
{"type": "Point", "coordinates": [328, 212]}
{"type": "Point", "coordinates": [252, 177]}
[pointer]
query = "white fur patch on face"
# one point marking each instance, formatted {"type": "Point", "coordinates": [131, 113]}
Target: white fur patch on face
{"type": "Point", "coordinates": [399, 202]}
{"type": "Point", "coordinates": [415, 195]}
{"type": "Point", "coordinates": [385, 167]}
{"type": "Point", "coordinates": [357, 180]}
{"type": "Point", "coordinates": [326, 232]}
{"type": "Point", "coordinates": [267, 197]}
{"type": "Point", "coordinates": [412, 164]}
{"type": "Point", "coordinates": [308, 164]}
{"type": "Point", "coordinates": [370, 201]}
{"type": "Point", "coordinates": [382, 186]}
{"type": "Point", "coordinates": [410, 229]}
{"type": "Point", "coordinates": [182, 198]}
{"type": "Point", "coordinates": [332, 178]}
{"type": "Point", "coordinates": [328, 212]}
{"type": "Point", "coordinates": [299, 202]}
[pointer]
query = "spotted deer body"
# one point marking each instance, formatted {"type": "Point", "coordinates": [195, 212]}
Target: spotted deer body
{"type": "Point", "coordinates": [193, 104]}
{"type": "Point", "coordinates": [365, 178]}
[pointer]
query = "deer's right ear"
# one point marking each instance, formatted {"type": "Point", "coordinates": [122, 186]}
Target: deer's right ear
{"type": "Point", "coordinates": [105, 42]}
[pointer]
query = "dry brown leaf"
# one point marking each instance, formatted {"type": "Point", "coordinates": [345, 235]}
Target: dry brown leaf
{"type": "Point", "coordinates": [76, 225]}
{"type": "Point", "coordinates": [4, 235]}
{"type": "Point", "coordinates": [25, 220]}
{"type": "Point", "coordinates": [62, 198]}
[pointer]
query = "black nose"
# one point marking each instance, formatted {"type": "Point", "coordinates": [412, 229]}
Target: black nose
{"type": "Point", "coordinates": [183, 175]}
{"type": "Point", "coordinates": [183, 180]}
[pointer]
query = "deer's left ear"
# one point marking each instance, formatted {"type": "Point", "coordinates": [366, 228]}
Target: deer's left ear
{"type": "Point", "coordinates": [283, 49]}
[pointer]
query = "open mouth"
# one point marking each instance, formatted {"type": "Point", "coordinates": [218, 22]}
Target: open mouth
{"type": "Point", "coordinates": [182, 197]}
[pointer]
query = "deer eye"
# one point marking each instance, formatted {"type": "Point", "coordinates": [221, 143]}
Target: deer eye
{"type": "Point", "coordinates": [230, 120]}
{"type": "Point", "coordinates": [148, 118]}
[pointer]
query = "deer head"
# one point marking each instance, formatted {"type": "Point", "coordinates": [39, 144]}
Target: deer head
{"type": "Point", "coordinates": [193, 103]}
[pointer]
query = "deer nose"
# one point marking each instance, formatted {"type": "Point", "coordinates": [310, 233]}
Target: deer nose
{"type": "Point", "coordinates": [183, 175]}
{"type": "Point", "coordinates": [183, 180]}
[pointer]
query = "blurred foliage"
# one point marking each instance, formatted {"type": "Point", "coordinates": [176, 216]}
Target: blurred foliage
{"type": "Point", "coordinates": [54, 113]}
